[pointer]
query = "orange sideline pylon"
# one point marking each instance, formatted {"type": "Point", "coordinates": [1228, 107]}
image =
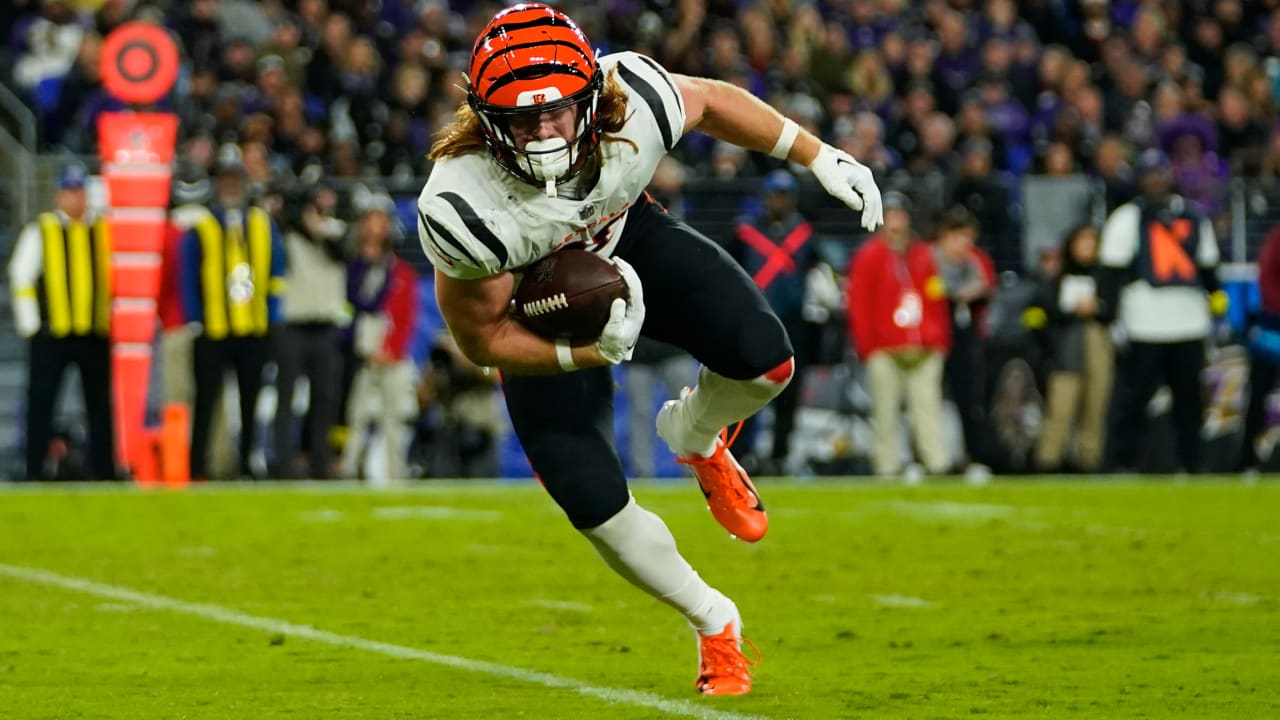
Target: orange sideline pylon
{"type": "Point", "coordinates": [175, 445]}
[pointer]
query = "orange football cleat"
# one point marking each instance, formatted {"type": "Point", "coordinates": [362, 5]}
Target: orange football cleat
{"type": "Point", "coordinates": [731, 496]}
{"type": "Point", "coordinates": [722, 668]}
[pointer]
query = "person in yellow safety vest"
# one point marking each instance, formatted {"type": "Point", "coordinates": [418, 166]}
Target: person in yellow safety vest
{"type": "Point", "coordinates": [60, 273]}
{"type": "Point", "coordinates": [233, 266]}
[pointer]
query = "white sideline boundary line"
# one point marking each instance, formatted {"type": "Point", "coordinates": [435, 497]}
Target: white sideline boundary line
{"type": "Point", "coordinates": [227, 616]}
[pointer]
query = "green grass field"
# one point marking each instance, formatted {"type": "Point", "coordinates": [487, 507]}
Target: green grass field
{"type": "Point", "coordinates": [1018, 600]}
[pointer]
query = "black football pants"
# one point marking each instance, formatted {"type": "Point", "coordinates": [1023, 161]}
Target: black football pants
{"type": "Point", "coordinates": [696, 298]}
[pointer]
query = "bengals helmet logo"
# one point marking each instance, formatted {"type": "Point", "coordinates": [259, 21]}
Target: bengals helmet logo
{"type": "Point", "coordinates": [539, 98]}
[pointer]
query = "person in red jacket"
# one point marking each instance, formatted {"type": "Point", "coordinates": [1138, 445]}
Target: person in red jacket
{"type": "Point", "coordinates": [383, 290]}
{"type": "Point", "coordinates": [901, 329]}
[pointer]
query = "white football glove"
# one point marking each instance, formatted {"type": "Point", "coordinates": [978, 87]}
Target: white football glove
{"type": "Point", "coordinates": [851, 182]}
{"type": "Point", "coordinates": [626, 317]}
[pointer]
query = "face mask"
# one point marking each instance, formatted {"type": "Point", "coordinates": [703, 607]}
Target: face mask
{"type": "Point", "coordinates": [548, 160]}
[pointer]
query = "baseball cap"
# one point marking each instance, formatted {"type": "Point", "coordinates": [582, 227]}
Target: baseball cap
{"type": "Point", "coordinates": [72, 177]}
{"type": "Point", "coordinates": [376, 201]}
{"type": "Point", "coordinates": [894, 200]}
{"type": "Point", "coordinates": [230, 159]}
{"type": "Point", "coordinates": [780, 181]}
{"type": "Point", "coordinates": [1150, 161]}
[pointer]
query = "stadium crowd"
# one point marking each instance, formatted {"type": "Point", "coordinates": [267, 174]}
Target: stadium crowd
{"type": "Point", "coordinates": [949, 101]}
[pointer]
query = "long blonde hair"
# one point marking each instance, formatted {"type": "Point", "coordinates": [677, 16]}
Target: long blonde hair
{"type": "Point", "coordinates": [464, 135]}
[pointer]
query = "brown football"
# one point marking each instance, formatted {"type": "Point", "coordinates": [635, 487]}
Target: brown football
{"type": "Point", "coordinates": [567, 295]}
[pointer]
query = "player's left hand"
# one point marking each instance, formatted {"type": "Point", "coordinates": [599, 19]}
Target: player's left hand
{"type": "Point", "coordinates": [851, 182]}
{"type": "Point", "coordinates": [626, 317]}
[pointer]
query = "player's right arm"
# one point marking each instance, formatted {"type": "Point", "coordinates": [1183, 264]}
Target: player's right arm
{"type": "Point", "coordinates": [729, 113]}
{"type": "Point", "coordinates": [477, 313]}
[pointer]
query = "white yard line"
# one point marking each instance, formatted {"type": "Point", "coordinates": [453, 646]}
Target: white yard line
{"type": "Point", "coordinates": [901, 601]}
{"type": "Point", "coordinates": [432, 512]}
{"type": "Point", "coordinates": [217, 613]}
{"type": "Point", "coordinates": [561, 605]}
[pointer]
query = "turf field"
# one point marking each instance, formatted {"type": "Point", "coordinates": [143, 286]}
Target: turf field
{"type": "Point", "coordinates": [1016, 600]}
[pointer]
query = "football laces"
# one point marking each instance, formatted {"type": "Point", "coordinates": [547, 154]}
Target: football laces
{"type": "Point", "coordinates": [545, 305]}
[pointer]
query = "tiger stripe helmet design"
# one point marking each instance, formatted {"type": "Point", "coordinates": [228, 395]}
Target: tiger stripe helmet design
{"type": "Point", "coordinates": [533, 59]}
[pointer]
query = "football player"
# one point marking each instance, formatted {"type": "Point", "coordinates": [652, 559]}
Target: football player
{"type": "Point", "coordinates": [554, 147]}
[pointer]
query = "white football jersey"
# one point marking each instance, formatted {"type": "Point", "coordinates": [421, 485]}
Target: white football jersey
{"type": "Point", "coordinates": [476, 220]}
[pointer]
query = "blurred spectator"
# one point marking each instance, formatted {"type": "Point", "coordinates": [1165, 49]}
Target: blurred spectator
{"type": "Point", "coordinates": [914, 112]}
{"type": "Point", "coordinates": [1095, 26]}
{"type": "Point", "coordinates": [463, 442]}
{"type": "Point", "coordinates": [382, 290]}
{"type": "Point", "coordinates": [195, 107]}
{"type": "Point", "coordinates": [71, 118]}
{"type": "Point", "coordinates": [897, 313]}
{"type": "Point", "coordinates": [773, 247]}
{"type": "Point", "coordinates": [1264, 349]}
{"type": "Point", "coordinates": [1126, 106]}
{"type": "Point", "coordinates": [969, 281]}
{"type": "Point", "coordinates": [237, 66]}
{"type": "Point", "coordinates": [1200, 177]}
{"type": "Point", "coordinates": [924, 177]}
{"type": "Point", "coordinates": [270, 85]}
{"type": "Point", "coordinates": [972, 125]}
{"type": "Point", "coordinates": [1112, 168]}
{"type": "Point", "coordinates": [1005, 114]}
{"type": "Point", "coordinates": [233, 275]}
{"type": "Point", "coordinates": [957, 63]}
{"type": "Point", "coordinates": [729, 162]}
{"type": "Point", "coordinates": [1083, 362]}
{"type": "Point", "coordinates": [1059, 160]}
{"type": "Point", "coordinates": [359, 113]}
{"type": "Point", "coordinates": [1205, 49]}
{"type": "Point", "coordinates": [1160, 259]}
{"type": "Point", "coordinates": [1242, 136]}
{"type": "Point", "coordinates": [987, 197]}
{"type": "Point", "coordinates": [287, 44]}
{"type": "Point", "coordinates": [308, 343]}
{"type": "Point", "coordinates": [863, 138]}
{"type": "Point", "coordinates": [871, 84]}
{"type": "Point", "coordinates": [407, 134]}
{"type": "Point", "coordinates": [324, 72]}
{"type": "Point", "coordinates": [60, 277]}
{"type": "Point", "coordinates": [196, 26]}
{"type": "Point", "coordinates": [46, 45]}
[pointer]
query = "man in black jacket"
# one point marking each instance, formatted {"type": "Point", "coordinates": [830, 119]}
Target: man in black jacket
{"type": "Point", "coordinates": [1160, 263]}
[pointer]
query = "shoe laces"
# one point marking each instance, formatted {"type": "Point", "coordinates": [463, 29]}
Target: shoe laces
{"type": "Point", "coordinates": [738, 489]}
{"type": "Point", "coordinates": [724, 656]}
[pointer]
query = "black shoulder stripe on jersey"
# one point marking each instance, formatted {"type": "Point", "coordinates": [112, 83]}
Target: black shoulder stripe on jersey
{"type": "Point", "coordinates": [535, 72]}
{"type": "Point", "coordinates": [522, 46]}
{"type": "Point", "coordinates": [512, 27]}
{"type": "Point", "coordinates": [662, 74]}
{"type": "Point", "coordinates": [650, 96]}
{"type": "Point", "coordinates": [477, 226]}
{"type": "Point", "coordinates": [435, 228]}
